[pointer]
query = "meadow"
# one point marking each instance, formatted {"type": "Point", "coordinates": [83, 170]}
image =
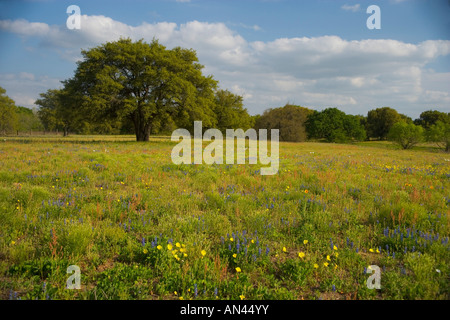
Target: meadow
{"type": "Point", "coordinates": [140, 227]}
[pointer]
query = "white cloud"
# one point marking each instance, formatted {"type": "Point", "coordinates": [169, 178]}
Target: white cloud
{"type": "Point", "coordinates": [353, 8]}
{"type": "Point", "coordinates": [24, 88]}
{"type": "Point", "coordinates": [355, 76]}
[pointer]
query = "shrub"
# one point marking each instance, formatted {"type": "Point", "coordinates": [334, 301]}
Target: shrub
{"type": "Point", "coordinates": [407, 135]}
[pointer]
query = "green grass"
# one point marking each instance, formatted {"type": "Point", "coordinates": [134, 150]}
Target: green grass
{"type": "Point", "coordinates": [112, 206]}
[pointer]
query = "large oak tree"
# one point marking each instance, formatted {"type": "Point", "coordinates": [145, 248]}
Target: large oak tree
{"type": "Point", "coordinates": [146, 83]}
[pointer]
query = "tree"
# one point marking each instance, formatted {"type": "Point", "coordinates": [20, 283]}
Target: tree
{"type": "Point", "coordinates": [430, 117]}
{"type": "Point", "coordinates": [290, 120]}
{"type": "Point", "coordinates": [334, 125]}
{"type": "Point", "coordinates": [27, 119]}
{"type": "Point", "coordinates": [230, 111]}
{"type": "Point", "coordinates": [440, 134]}
{"type": "Point", "coordinates": [145, 83]}
{"type": "Point", "coordinates": [406, 134]}
{"type": "Point", "coordinates": [381, 120]}
{"type": "Point", "coordinates": [8, 115]}
{"type": "Point", "coordinates": [51, 111]}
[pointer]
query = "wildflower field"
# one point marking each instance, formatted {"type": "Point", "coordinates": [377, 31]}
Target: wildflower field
{"type": "Point", "coordinates": [140, 227]}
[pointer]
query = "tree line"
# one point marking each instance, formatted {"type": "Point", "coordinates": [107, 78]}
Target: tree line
{"type": "Point", "coordinates": [126, 87]}
{"type": "Point", "coordinates": [16, 118]}
{"type": "Point", "coordinates": [299, 124]}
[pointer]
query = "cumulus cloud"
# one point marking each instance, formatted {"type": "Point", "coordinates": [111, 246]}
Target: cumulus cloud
{"type": "Point", "coordinates": [24, 88]}
{"type": "Point", "coordinates": [325, 71]}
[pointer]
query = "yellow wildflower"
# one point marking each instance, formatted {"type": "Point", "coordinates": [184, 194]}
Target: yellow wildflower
{"type": "Point", "coordinates": [305, 241]}
{"type": "Point", "coordinates": [234, 255]}
{"type": "Point", "coordinates": [145, 251]}
{"type": "Point", "coordinates": [203, 252]}
{"type": "Point", "coordinates": [177, 244]}
{"type": "Point", "coordinates": [242, 297]}
{"type": "Point", "coordinates": [159, 247]}
{"type": "Point", "coordinates": [169, 246]}
{"type": "Point", "coordinates": [328, 258]}
{"type": "Point", "coordinates": [316, 265]}
{"type": "Point", "coordinates": [301, 254]}
{"type": "Point", "coordinates": [238, 269]}
{"type": "Point", "coordinates": [325, 264]}
{"type": "Point", "coordinates": [284, 249]}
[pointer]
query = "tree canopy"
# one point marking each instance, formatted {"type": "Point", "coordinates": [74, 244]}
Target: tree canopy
{"type": "Point", "coordinates": [406, 134]}
{"type": "Point", "coordinates": [439, 133]}
{"type": "Point", "coordinates": [430, 117]}
{"type": "Point", "coordinates": [8, 115]}
{"type": "Point", "coordinates": [380, 121]}
{"type": "Point", "coordinates": [290, 120]}
{"type": "Point", "coordinates": [144, 83]}
{"type": "Point", "coordinates": [334, 125]}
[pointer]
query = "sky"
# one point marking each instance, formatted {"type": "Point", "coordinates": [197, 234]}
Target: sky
{"type": "Point", "coordinates": [313, 53]}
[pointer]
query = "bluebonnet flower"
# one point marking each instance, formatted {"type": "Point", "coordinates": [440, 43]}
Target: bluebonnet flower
{"type": "Point", "coordinates": [195, 289]}
{"type": "Point", "coordinates": [333, 288]}
{"type": "Point", "coordinates": [215, 291]}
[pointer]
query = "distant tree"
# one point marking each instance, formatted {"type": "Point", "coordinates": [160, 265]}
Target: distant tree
{"type": "Point", "coordinates": [406, 134]}
{"type": "Point", "coordinates": [439, 133]}
{"type": "Point", "coordinates": [146, 83]}
{"type": "Point", "coordinates": [381, 120]}
{"type": "Point", "coordinates": [28, 119]}
{"type": "Point", "coordinates": [50, 112]}
{"type": "Point", "coordinates": [290, 120]}
{"type": "Point", "coordinates": [430, 117]}
{"type": "Point", "coordinates": [230, 111]}
{"type": "Point", "coordinates": [334, 125]}
{"type": "Point", "coordinates": [8, 115]}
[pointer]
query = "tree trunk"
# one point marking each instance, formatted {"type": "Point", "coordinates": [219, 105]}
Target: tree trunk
{"type": "Point", "coordinates": [143, 134]}
{"type": "Point", "coordinates": [141, 128]}
{"type": "Point", "coordinates": [66, 131]}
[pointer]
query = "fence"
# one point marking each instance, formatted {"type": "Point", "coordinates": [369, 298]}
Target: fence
{"type": "Point", "coordinates": [31, 133]}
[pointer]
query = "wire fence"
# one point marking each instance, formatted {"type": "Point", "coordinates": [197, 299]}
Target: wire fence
{"type": "Point", "coordinates": [30, 133]}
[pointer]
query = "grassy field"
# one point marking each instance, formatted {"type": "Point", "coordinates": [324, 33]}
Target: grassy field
{"type": "Point", "coordinates": [140, 227]}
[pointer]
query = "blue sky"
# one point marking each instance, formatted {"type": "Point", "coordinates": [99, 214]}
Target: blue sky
{"type": "Point", "coordinates": [316, 54]}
